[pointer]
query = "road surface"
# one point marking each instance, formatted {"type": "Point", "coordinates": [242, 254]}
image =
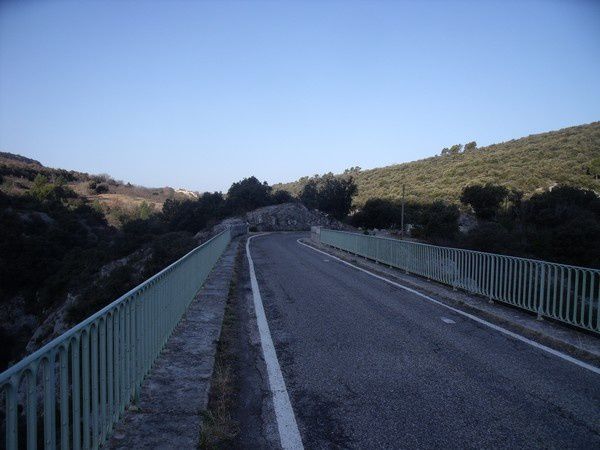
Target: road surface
{"type": "Point", "coordinates": [368, 365]}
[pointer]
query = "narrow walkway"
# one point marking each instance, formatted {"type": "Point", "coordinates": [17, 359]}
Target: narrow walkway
{"type": "Point", "coordinates": [176, 391]}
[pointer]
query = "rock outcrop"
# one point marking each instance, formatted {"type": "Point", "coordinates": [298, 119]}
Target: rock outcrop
{"type": "Point", "coordinates": [290, 217]}
{"type": "Point", "coordinates": [283, 217]}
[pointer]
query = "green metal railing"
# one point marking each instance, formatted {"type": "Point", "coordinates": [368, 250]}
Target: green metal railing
{"type": "Point", "coordinates": [566, 293]}
{"type": "Point", "coordinates": [71, 392]}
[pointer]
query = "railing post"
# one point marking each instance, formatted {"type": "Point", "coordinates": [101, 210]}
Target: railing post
{"type": "Point", "coordinates": [32, 418]}
{"type": "Point", "coordinates": [540, 309]}
{"type": "Point", "coordinates": [456, 270]}
{"type": "Point", "coordinates": [64, 398]}
{"type": "Point", "coordinates": [138, 347]}
{"type": "Point", "coordinates": [49, 402]}
{"type": "Point", "coordinates": [11, 415]}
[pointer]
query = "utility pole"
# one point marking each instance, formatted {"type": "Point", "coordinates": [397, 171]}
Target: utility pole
{"type": "Point", "coordinates": [402, 217]}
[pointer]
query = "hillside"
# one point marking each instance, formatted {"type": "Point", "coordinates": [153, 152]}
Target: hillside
{"type": "Point", "coordinates": [69, 243]}
{"type": "Point", "coordinates": [116, 199]}
{"type": "Point", "coordinates": [529, 164]}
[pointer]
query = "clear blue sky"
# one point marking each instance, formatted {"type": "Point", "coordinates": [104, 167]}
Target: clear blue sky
{"type": "Point", "coordinates": [200, 94]}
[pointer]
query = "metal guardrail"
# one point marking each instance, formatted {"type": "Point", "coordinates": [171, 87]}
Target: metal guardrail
{"type": "Point", "coordinates": [85, 378]}
{"type": "Point", "coordinates": [565, 293]}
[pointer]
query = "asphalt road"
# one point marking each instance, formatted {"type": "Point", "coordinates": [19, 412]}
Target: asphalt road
{"type": "Point", "coordinates": [368, 365]}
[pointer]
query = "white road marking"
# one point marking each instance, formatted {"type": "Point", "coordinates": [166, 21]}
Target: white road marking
{"type": "Point", "coordinates": [513, 335]}
{"type": "Point", "coordinates": [446, 320]}
{"type": "Point", "coordinates": [289, 435]}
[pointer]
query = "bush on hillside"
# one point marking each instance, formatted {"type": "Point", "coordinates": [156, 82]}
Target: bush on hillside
{"type": "Point", "coordinates": [330, 194]}
{"type": "Point", "coordinates": [484, 200]}
{"type": "Point", "coordinates": [595, 167]}
{"type": "Point", "coordinates": [564, 225]}
{"type": "Point", "coordinates": [561, 205]}
{"type": "Point", "coordinates": [193, 215]}
{"type": "Point", "coordinates": [102, 188]}
{"type": "Point", "coordinates": [560, 225]}
{"type": "Point", "coordinates": [378, 213]}
{"type": "Point", "coordinates": [280, 197]}
{"type": "Point", "coordinates": [436, 222]}
{"type": "Point", "coordinates": [248, 194]}
{"type": "Point", "coordinates": [493, 237]}
{"type": "Point", "coordinates": [45, 191]}
{"type": "Point", "coordinates": [470, 146]}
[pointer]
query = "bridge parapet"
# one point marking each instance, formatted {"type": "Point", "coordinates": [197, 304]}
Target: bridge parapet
{"type": "Point", "coordinates": [81, 382]}
{"type": "Point", "coordinates": [562, 292]}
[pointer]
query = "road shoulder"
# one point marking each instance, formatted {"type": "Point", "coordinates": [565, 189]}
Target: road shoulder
{"type": "Point", "coordinates": [240, 412]}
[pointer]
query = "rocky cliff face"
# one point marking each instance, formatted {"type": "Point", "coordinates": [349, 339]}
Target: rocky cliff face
{"type": "Point", "coordinates": [290, 217]}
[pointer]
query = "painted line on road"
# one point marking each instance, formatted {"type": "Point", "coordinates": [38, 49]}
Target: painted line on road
{"type": "Point", "coordinates": [470, 316]}
{"type": "Point", "coordinates": [446, 320]}
{"type": "Point", "coordinates": [289, 435]}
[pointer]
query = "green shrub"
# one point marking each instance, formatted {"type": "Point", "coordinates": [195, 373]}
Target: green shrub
{"type": "Point", "coordinates": [485, 200]}
{"type": "Point", "coordinates": [282, 197]}
{"type": "Point", "coordinates": [101, 188]}
{"type": "Point", "coordinates": [378, 213]}
{"type": "Point", "coordinates": [193, 215]}
{"type": "Point", "coordinates": [330, 194]}
{"type": "Point", "coordinates": [44, 191]}
{"type": "Point", "coordinates": [437, 222]}
{"type": "Point", "coordinates": [248, 194]}
{"type": "Point", "coordinates": [595, 167]}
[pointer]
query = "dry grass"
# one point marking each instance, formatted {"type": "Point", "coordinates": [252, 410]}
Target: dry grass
{"type": "Point", "coordinates": [218, 426]}
{"type": "Point", "coordinates": [121, 199]}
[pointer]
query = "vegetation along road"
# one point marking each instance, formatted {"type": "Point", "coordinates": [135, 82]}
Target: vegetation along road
{"type": "Point", "coordinates": [369, 365]}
